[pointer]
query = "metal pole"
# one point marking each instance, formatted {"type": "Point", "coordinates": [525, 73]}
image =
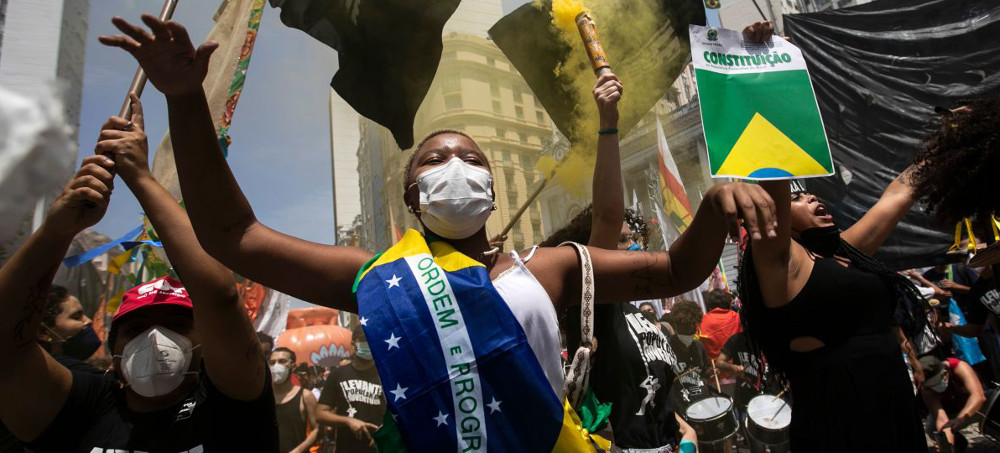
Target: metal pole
{"type": "Point", "coordinates": [139, 79]}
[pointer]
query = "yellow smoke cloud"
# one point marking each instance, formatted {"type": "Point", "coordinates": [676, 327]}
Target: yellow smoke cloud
{"type": "Point", "coordinates": [564, 14]}
{"type": "Point", "coordinates": [637, 36]}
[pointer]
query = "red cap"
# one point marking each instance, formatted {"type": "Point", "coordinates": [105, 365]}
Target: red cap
{"type": "Point", "coordinates": [162, 291]}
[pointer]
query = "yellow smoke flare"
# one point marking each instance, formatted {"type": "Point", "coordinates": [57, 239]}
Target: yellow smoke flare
{"type": "Point", "coordinates": [564, 14]}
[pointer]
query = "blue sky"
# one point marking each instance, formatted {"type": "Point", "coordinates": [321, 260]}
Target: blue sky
{"type": "Point", "coordinates": [281, 132]}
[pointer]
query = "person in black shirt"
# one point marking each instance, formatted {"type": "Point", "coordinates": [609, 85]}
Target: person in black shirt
{"type": "Point", "coordinates": [748, 369]}
{"type": "Point", "coordinates": [295, 406]}
{"type": "Point", "coordinates": [187, 376]}
{"type": "Point", "coordinates": [68, 337]}
{"type": "Point", "coordinates": [685, 316]}
{"type": "Point", "coordinates": [352, 401]}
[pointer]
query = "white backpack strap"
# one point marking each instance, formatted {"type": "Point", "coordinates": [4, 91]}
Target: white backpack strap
{"type": "Point", "coordinates": [577, 379]}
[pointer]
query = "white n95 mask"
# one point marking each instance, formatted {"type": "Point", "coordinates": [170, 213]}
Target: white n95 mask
{"type": "Point", "coordinates": [455, 199]}
{"type": "Point", "coordinates": [155, 362]}
{"type": "Point", "coordinates": [280, 373]}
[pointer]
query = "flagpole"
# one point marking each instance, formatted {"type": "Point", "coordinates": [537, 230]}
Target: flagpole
{"type": "Point", "coordinates": [524, 207]}
{"type": "Point", "coordinates": [139, 79]}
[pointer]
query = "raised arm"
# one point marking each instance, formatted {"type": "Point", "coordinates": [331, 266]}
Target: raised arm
{"type": "Point", "coordinates": [608, 209]}
{"type": "Point", "coordinates": [622, 276]}
{"type": "Point", "coordinates": [229, 343]}
{"type": "Point", "coordinates": [222, 218]}
{"type": "Point", "coordinates": [33, 386]}
{"type": "Point", "coordinates": [877, 224]}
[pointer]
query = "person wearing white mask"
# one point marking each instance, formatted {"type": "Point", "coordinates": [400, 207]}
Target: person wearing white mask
{"type": "Point", "coordinates": [684, 317]}
{"type": "Point", "coordinates": [954, 396]}
{"type": "Point", "coordinates": [448, 185]}
{"type": "Point", "coordinates": [187, 370]}
{"type": "Point", "coordinates": [294, 407]}
{"type": "Point", "coordinates": [353, 402]}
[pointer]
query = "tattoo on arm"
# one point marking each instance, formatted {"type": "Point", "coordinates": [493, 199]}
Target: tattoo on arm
{"type": "Point", "coordinates": [643, 274]}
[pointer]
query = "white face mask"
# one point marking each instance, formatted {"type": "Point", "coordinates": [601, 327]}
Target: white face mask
{"type": "Point", "coordinates": [280, 372]}
{"type": "Point", "coordinates": [455, 199]}
{"type": "Point", "coordinates": [941, 386]}
{"type": "Point", "coordinates": [155, 362]}
{"type": "Point", "coordinates": [686, 339]}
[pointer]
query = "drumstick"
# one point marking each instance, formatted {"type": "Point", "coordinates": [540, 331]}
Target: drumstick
{"type": "Point", "coordinates": [783, 403]}
{"type": "Point", "coordinates": [782, 392]}
{"type": "Point", "coordinates": [715, 373]}
{"type": "Point", "coordinates": [692, 370]}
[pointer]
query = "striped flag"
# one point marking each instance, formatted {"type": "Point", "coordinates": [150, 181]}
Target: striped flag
{"type": "Point", "coordinates": [675, 200]}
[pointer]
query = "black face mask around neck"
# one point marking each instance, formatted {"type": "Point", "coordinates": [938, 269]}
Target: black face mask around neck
{"type": "Point", "coordinates": [823, 241]}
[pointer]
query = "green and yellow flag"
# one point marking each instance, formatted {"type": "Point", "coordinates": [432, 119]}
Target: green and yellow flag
{"type": "Point", "coordinates": [758, 108]}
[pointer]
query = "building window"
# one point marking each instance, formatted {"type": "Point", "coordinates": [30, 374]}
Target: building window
{"type": "Point", "coordinates": [451, 84]}
{"type": "Point", "coordinates": [453, 101]}
{"type": "Point", "coordinates": [494, 89]}
{"type": "Point", "coordinates": [512, 199]}
{"type": "Point", "coordinates": [496, 106]}
{"type": "Point", "coordinates": [506, 160]}
{"type": "Point", "coordinates": [537, 104]}
{"type": "Point", "coordinates": [536, 227]}
{"type": "Point", "coordinates": [502, 133]}
{"type": "Point", "coordinates": [508, 175]}
{"type": "Point", "coordinates": [539, 116]}
{"type": "Point", "coordinates": [491, 62]}
{"type": "Point", "coordinates": [522, 136]}
{"type": "Point", "coordinates": [519, 111]}
{"type": "Point", "coordinates": [518, 96]}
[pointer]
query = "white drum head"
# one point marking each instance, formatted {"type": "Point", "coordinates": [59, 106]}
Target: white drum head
{"type": "Point", "coordinates": [709, 408]}
{"type": "Point", "coordinates": [769, 412]}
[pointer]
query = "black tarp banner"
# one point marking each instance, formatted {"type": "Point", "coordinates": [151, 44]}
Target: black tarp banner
{"type": "Point", "coordinates": [879, 70]}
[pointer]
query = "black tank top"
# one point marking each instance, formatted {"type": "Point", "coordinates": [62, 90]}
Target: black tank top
{"type": "Point", "coordinates": [291, 426]}
{"type": "Point", "coordinates": [836, 304]}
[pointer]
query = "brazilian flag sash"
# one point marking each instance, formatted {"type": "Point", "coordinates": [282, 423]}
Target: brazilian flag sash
{"type": "Point", "coordinates": [456, 366]}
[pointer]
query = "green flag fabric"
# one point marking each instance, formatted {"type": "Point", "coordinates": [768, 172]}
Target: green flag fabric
{"type": "Point", "coordinates": [388, 51]}
{"type": "Point", "coordinates": [758, 108]}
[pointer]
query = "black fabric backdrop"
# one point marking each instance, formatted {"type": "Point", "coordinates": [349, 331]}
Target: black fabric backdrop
{"type": "Point", "coordinates": [879, 70]}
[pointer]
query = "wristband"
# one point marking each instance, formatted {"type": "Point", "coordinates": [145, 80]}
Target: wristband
{"type": "Point", "coordinates": [608, 131]}
{"type": "Point", "coordinates": [687, 446]}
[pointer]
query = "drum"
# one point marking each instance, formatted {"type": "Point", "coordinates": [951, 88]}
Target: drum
{"type": "Point", "coordinates": [712, 418]}
{"type": "Point", "coordinates": [768, 419]}
{"type": "Point", "coordinates": [989, 426]}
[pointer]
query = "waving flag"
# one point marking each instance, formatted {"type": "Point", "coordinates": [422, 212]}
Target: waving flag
{"type": "Point", "coordinates": [388, 50]}
{"type": "Point", "coordinates": [675, 200]}
{"type": "Point", "coordinates": [458, 372]}
{"type": "Point", "coordinates": [236, 25]}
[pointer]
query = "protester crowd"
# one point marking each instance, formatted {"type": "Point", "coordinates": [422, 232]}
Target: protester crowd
{"type": "Point", "coordinates": [818, 328]}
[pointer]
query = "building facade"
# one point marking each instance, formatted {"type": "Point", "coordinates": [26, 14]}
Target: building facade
{"type": "Point", "coordinates": [42, 44]}
{"type": "Point", "coordinates": [476, 91]}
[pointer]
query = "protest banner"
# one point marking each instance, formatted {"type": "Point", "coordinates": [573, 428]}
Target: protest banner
{"type": "Point", "coordinates": [758, 108]}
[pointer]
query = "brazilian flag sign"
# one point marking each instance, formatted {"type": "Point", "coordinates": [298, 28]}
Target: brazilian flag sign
{"type": "Point", "coordinates": [758, 108]}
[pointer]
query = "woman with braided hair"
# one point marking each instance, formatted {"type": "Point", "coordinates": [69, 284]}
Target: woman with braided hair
{"type": "Point", "coordinates": [822, 310]}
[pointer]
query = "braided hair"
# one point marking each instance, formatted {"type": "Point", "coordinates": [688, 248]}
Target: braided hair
{"type": "Point", "coordinates": [909, 304]}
